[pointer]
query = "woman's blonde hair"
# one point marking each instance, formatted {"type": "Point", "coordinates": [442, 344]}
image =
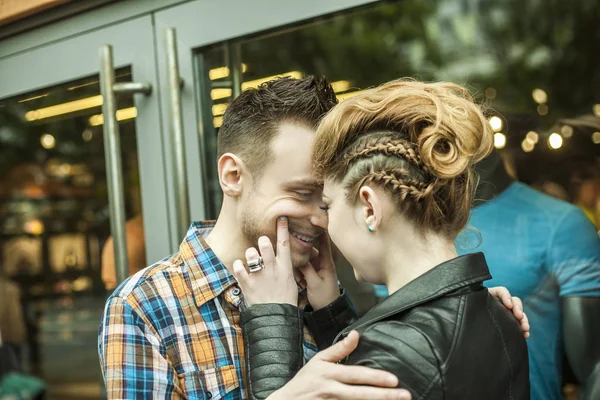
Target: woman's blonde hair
{"type": "Point", "coordinates": [417, 140]}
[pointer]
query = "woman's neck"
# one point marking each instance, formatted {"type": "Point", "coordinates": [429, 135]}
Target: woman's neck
{"type": "Point", "coordinates": [414, 258]}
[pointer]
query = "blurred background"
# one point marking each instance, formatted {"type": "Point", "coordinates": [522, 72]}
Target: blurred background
{"type": "Point", "coordinates": [534, 64]}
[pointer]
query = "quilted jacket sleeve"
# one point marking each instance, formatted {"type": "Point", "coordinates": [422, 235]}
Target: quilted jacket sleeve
{"type": "Point", "coordinates": [324, 324]}
{"type": "Point", "coordinates": [273, 342]}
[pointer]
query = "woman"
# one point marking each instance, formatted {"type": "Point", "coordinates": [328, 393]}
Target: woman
{"type": "Point", "coordinates": [397, 162]}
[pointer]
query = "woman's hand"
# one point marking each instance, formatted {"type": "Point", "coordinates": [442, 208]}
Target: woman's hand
{"type": "Point", "coordinates": [319, 276]}
{"type": "Point", "coordinates": [275, 283]}
{"type": "Point", "coordinates": [512, 303]}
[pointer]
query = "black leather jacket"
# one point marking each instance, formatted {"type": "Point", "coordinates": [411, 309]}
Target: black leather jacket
{"type": "Point", "coordinates": [274, 336]}
{"type": "Point", "coordinates": [443, 335]}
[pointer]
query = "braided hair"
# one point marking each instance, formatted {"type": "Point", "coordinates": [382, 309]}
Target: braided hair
{"type": "Point", "coordinates": [416, 140]}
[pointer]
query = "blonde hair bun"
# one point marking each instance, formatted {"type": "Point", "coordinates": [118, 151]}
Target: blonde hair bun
{"type": "Point", "coordinates": [455, 134]}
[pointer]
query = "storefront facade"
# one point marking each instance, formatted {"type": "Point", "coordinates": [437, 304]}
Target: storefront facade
{"type": "Point", "coordinates": [534, 66]}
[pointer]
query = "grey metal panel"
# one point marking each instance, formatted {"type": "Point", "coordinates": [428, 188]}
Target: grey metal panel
{"type": "Point", "coordinates": [49, 16]}
{"type": "Point", "coordinates": [85, 22]}
{"type": "Point", "coordinates": [64, 61]}
{"type": "Point", "coordinates": [204, 22]}
{"type": "Point", "coordinates": [208, 21]}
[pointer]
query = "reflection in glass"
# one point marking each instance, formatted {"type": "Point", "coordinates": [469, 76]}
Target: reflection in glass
{"type": "Point", "coordinates": [539, 84]}
{"type": "Point", "coordinates": [538, 80]}
{"type": "Point", "coordinates": [54, 220]}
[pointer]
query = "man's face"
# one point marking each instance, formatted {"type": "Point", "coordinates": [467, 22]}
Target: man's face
{"type": "Point", "coordinates": [589, 192]}
{"type": "Point", "coordinates": [287, 187]}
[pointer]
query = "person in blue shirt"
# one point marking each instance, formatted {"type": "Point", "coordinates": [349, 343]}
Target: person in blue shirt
{"type": "Point", "coordinates": [547, 252]}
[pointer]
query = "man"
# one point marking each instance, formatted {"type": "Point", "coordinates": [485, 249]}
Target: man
{"type": "Point", "coordinates": [585, 186]}
{"type": "Point", "coordinates": [173, 329]}
{"type": "Point", "coordinates": [545, 251]}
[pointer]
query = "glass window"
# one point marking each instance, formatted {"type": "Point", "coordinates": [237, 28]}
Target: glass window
{"type": "Point", "coordinates": [55, 223]}
{"type": "Point", "coordinates": [533, 65]}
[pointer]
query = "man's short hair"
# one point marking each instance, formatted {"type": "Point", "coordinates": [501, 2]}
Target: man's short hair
{"type": "Point", "coordinates": [252, 120]}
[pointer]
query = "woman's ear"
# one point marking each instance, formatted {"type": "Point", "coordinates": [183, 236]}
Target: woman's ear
{"type": "Point", "coordinates": [372, 208]}
{"type": "Point", "coordinates": [232, 171]}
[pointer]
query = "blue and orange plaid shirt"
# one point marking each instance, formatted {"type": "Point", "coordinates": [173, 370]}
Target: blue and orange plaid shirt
{"type": "Point", "coordinates": [172, 330]}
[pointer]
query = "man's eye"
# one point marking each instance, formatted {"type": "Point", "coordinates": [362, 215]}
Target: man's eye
{"type": "Point", "coordinates": [305, 195]}
{"type": "Point", "coordinates": [324, 208]}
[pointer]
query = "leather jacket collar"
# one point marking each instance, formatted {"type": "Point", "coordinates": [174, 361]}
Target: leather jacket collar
{"type": "Point", "coordinates": [447, 277]}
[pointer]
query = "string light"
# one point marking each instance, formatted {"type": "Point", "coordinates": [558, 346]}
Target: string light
{"type": "Point", "coordinates": [555, 141]}
{"type": "Point", "coordinates": [527, 145]}
{"type": "Point", "coordinates": [491, 93]}
{"type": "Point", "coordinates": [496, 123]}
{"type": "Point", "coordinates": [533, 137]}
{"type": "Point", "coordinates": [499, 140]}
{"type": "Point", "coordinates": [566, 131]}
{"type": "Point", "coordinates": [539, 96]}
{"type": "Point", "coordinates": [48, 141]}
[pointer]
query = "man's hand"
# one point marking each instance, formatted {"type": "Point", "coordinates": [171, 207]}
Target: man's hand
{"type": "Point", "coordinates": [321, 378]}
{"type": "Point", "coordinates": [512, 303]}
{"type": "Point", "coordinates": [319, 276]}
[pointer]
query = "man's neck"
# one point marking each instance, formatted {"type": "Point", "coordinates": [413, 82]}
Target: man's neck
{"type": "Point", "coordinates": [226, 241]}
{"type": "Point", "coordinates": [493, 179]}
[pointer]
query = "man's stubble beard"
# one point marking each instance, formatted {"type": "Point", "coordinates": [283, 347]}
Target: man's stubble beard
{"type": "Point", "coordinates": [252, 229]}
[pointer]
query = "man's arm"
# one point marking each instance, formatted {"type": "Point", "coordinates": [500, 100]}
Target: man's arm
{"type": "Point", "coordinates": [273, 335]}
{"type": "Point", "coordinates": [133, 364]}
{"type": "Point", "coordinates": [581, 329]}
{"type": "Point", "coordinates": [575, 262]}
{"type": "Point", "coordinates": [273, 340]}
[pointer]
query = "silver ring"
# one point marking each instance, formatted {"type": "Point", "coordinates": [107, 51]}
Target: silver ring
{"type": "Point", "coordinates": [256, 265]}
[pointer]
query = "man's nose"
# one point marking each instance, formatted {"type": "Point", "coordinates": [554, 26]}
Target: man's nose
{"type": "Point", "coordinates": [319, 219]}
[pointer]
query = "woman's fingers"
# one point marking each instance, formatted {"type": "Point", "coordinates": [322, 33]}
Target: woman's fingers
{"type": "Point", "coordinates": [240, 273]}
{"type": "Point", "coordinates": [311, 276]}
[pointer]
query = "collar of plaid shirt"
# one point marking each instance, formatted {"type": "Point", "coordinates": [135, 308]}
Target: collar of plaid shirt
{"type": "Point", "coordinates": [208, 277]}
{"type": "Point", "coordinates": [185, 308]}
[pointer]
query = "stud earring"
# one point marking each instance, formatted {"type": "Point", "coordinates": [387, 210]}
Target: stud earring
{"type": "Point", "coordinates": [370, 220]}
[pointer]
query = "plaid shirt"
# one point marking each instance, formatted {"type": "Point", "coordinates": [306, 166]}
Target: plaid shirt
{"type": "Point", "coordinates": [173, 331]}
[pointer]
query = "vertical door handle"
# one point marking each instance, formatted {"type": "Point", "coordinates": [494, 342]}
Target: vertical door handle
{"type": "Point", "coordinates": [175, 84]}
{"type": "Point", "coordinates": [112, 154]}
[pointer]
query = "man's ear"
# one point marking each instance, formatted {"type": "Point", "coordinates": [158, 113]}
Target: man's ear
{"type": "Point", "coordinates": [232, 174]}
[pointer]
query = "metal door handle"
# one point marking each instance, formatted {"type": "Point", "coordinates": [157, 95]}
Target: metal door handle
{"type": "Point", "coordinates": [175, 84]}
{"type": "Point", "coordinates": [112, 154]}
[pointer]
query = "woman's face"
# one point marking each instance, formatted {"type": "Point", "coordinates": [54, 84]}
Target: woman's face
{"type": "Point", "coordinates": [348, 230]}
